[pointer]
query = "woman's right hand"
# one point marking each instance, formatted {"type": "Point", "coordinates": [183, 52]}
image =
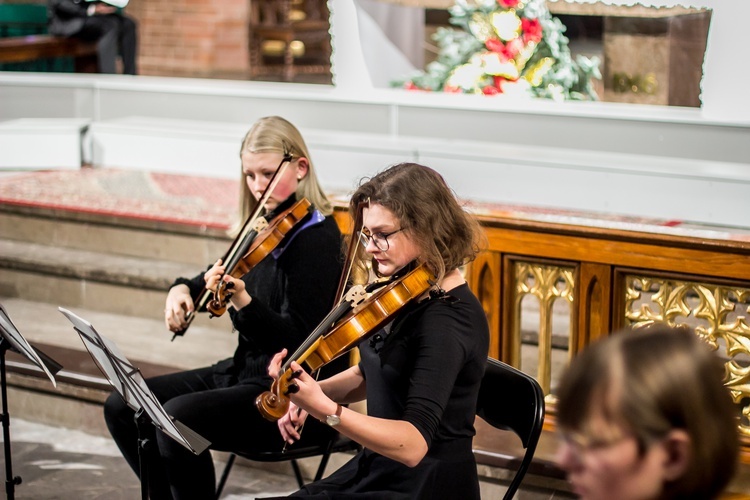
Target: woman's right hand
{"type": "Point", "coordinates": [291, 423]}
{"type": "Point", "coordinates": [179, 303]}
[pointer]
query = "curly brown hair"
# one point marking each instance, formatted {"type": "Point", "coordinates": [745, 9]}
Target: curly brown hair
{"type": "Point", "coordinates": [419, 197]}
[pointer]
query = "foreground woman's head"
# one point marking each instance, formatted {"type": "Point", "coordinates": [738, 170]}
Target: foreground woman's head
{"type": "Point", "coordinates": [644, 415]}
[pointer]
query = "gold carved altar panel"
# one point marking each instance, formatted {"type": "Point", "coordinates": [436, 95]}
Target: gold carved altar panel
{"type": "Point", "coordinates": [718, 313]}
{"type": "Point", "coordinates": [538, 289]}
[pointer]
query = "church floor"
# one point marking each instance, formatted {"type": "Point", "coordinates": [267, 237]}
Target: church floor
{"type": "Point", "coordinates": [59, 463]}
{"type": "Point", "coordinates": [62, 464]}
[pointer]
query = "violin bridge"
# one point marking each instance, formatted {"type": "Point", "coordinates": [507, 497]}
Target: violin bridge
{"type": "Point", "coordinates": [355, 295]}
{"type": "Point", "coordinates": [260, 224]}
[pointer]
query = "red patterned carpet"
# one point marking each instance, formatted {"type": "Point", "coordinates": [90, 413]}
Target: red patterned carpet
{"type": "Point", "coordinates": [212, 202]}
{"type": "Point", "coordinates": [180, 199]}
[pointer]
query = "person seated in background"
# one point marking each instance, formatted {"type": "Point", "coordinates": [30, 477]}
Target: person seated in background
{"type": "Point", "coordinates": [113, 31]}
{"type": "Point", "coordinates": [644, 414]}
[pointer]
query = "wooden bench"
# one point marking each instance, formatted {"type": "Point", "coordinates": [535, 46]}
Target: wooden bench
{"type": "Point", "coordinates": [34, 47]}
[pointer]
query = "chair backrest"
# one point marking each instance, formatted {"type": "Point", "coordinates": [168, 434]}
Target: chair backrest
{"type": "Point", "coordinates": [511, 400]}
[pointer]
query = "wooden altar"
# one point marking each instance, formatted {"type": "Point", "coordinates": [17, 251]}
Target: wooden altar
{"type": "Point", "coordinates": [611, 273]}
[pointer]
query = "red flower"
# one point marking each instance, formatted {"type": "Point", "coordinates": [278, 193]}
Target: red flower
{"type": "Point", "coordinates": [490, 90]}
{"type": "Point", "coordinates": [512, 48]}
{"type": "Point", "coordinates": [509, 4]}
{"type": "Point", "coordinates": [452, 90]}
{"type": "Point", "coordinates": [412, 86]}
{"type": "Point", "coordinates": [498, 81]}
{"type": "Point", "coordinates": [508, 50]}
{"type": "Point", "coordinates": [494, 45]}
{"type": "Point", "coordinates": [532, 30]}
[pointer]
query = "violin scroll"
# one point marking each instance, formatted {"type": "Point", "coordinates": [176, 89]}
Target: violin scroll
{"type": "Point", "coordinates": [274, 404]}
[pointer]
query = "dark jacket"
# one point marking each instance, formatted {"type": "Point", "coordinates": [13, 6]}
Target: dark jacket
{"type": "Point", "coordinates": [66, 17]}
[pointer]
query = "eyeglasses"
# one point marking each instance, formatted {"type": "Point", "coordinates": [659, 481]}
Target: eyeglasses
{"type": "Point", "coordinates": [380, 239]}
{"type": "Point", "coordinates": [580, 443]}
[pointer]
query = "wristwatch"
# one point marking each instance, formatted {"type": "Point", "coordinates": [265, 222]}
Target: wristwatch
{"type": "Point", "coordinates": [335, 419]}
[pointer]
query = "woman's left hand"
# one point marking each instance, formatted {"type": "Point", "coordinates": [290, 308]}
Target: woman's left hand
{"type": "Point", "coordinates": [274, 367]}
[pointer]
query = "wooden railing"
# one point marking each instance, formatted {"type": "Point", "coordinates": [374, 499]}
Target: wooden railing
{"type": "Point", "coordinates": [610, 278]}
{"type": "Point", "coordinates": [600, 275]}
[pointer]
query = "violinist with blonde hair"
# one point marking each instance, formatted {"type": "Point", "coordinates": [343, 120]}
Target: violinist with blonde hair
{"type": "Point", "coordinates": [420, 374]}
{"type": "Point", "coordinates": [276, 304]}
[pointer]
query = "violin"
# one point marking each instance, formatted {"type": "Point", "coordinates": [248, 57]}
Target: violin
{"type": "Point", "coordinates": [252, 226]}
{"type": "Point", "coordinates": [262, 246]}
{"type": "Point", "coordinates": [361, 322]}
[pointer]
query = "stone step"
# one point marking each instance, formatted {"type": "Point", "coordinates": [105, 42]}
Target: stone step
{"type": "Point", "coordinates": [121, 264]}
{"type": "Point", "coordinates": [93, 280]}
{"type": "Point", "coordinates": [128, 236]}
{"type": "Point", "coordinates": [145, 342]}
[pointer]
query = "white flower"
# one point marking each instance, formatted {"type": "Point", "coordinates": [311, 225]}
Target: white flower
{"type": "Point", "coordinates": [495, 65]}
{"type": "Point", "coordinates": [507, 24]}
{"type": "Point", "coordinates": [466, 76]}
{"type": "Point", "coordinates": [519, 88]}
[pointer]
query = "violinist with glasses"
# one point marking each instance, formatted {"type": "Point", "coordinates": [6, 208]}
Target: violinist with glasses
{"type": "Point", "coordinates": [273, 302]}
{"type": "Point", "coordinates": [420, 370]}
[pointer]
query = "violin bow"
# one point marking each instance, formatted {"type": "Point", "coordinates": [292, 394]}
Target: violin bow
{"type": "Point", "coordinates": [340, 306]}
{"type": "Point", "coordinates": [352, 246]}
{"type": "Point", "coordinates": [242, 241]}
{"type": "Point", "coordinates": [342, 303]}
{"type": "Point", "coordinates": [239, 250]}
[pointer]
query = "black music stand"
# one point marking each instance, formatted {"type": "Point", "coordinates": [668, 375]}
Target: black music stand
{"type": "Point", "coordinates": [129, 383]}
{"type": "Point", "coordinates": [11, 338]}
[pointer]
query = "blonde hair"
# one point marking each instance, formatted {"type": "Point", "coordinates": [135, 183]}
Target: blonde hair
{"type": "Point", "coordinates": [648, 382]}
{"type": "Point", "coordinates": [418, 196]}
{"type": "Point", "coordinates": [273, 134]}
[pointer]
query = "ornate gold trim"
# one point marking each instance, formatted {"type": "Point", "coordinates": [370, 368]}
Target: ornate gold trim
{"type": "Point", "coordinates": [547, 283]}
{"type": "Point", "coordinates": [718, 314]}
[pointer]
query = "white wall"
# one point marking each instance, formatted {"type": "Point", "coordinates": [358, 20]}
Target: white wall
{"type": "Point", "coordinates": [614, 158]}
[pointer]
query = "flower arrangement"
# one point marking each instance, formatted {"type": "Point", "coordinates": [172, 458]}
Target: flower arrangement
{"type": "Point", "coordinates": [510, 47]}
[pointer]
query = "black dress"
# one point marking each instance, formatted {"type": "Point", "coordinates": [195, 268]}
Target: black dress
{"type": "Point", "coordinates": [291, 293]}
{"type": "Point", "coordinates": [426, 371]}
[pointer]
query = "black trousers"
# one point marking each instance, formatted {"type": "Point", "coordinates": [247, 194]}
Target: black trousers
{"type": "Point", "coordinates": [114, 34]}
{"type": "Point", "coordinates": [227, 417]}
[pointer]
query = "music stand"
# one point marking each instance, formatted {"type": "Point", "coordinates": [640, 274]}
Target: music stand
{"type": "Point", "coordinates": [130, 384]}
{"type": "Point", "coordinates": [11, 338]}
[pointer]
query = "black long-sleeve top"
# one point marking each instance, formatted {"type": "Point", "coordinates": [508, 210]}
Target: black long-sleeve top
{"type": "Point", "coordinates": [427, 370]}
{"type": "Point", "coordinates": [290, 294]}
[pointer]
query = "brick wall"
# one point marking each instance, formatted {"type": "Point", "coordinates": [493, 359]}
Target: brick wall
{"type": "Point", "coordinates": [191, 37]}
{"type": "Point", "coordinates": [188, 37]}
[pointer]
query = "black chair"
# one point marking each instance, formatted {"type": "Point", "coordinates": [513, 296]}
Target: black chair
{"type": "Point", "coordinates": [511, 400]}
{"type": "Point", "coordinates": [337, 443]}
